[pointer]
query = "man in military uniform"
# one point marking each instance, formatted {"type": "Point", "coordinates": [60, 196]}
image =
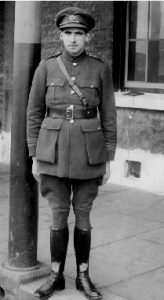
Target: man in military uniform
{"type": "Point", "coordinates": [71, 135]}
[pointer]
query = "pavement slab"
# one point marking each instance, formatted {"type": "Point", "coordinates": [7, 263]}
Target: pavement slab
{"type": "Point", "coordinates": [70, 292]}
{"type": "Point", "coordinates": [127, 250]}
{"type": "Point", "coordinates": [118, 226]}
{"type": "Point", "coordinates": [154, 211]}
{"type": "Point", "coordinates": [120, 261]}
{"type": "Point", "coordinates": [149, 286]}
{"type": "Point", "coordinates": [156, 236]}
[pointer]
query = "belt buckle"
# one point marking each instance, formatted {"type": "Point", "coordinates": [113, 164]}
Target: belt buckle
{"type": "Point", "coordinates": [70, 113]}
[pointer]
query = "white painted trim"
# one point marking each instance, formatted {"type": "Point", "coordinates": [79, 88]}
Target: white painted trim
{"type": "Point", "coordinates": [145, 101]}
{"type": "Point", "coordinates": [139, 84]}
{"type": "Point", "coordinates": [152, 170]}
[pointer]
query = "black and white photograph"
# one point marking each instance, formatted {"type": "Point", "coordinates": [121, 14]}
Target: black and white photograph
{"type": "Point", "coordinates": [82, 150]}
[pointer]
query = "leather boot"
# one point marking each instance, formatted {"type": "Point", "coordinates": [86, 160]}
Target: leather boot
{"type": "Point", "coordinates": [58, 248]}
{"type": "Point", "coordinates": [82, 244]}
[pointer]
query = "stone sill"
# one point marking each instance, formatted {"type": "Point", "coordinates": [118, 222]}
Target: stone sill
{"type": "Point", "coordinates": [145, 101]}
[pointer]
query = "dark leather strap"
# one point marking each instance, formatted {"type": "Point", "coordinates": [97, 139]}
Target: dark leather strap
{"type": "Point", "coordinates": [71, 82]}
{"type": "Point", "coordinates": [62, 113]}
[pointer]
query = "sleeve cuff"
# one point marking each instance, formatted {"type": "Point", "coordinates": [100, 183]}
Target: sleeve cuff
{"type": "Point", "coordinates": [111, 155]}
{"type": "Point", "coordinates": [32, 150]}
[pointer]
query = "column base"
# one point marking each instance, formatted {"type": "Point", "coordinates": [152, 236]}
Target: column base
{"type": "Point", "coordinates": [7, 266]}
{"type": "Point", "coordinates": [11, 278]}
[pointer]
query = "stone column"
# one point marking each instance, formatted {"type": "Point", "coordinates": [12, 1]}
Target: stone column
{"type": "Point", "coordinates": [23, 213]}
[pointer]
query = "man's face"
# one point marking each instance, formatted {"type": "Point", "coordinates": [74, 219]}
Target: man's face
{"type": "Point", "coordinates": [74, 40]}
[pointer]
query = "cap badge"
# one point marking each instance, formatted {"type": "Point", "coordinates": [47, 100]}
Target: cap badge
{"type": "Point", "coordinates": [73, 18]}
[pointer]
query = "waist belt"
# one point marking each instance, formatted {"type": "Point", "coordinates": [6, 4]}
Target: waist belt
{"type": "Point", "coordinates": [70, 113]}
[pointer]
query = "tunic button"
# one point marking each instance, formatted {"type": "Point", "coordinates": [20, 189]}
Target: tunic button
{"type": "Point", "coordinates": [52, 83]}
{"type": "Point", "coordinates": [73, 78]}
{"type": "Point", "coordinates": [91, 86]}
{"type": "Point", "coordinates": [72, 92]}
{"type": "Point", "coordinates": [44, 125]}
{"type": "Point", "coordinates": [74, 64]}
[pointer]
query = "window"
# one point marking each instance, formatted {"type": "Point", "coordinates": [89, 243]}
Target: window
{"type": "Point", "coordinates": [133, 168]}
{"type": "Point", "coordinates": [144, 64]}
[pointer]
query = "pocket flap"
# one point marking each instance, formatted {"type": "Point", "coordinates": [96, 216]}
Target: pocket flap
{"type": "Point", "coordinates": [90, 126]}
{"type": "Point", "coordinates": [95, 142]}
{"type": "Point", "coordinates": [55, 81]}
{"type": "Point", "coordinates": [49, 123]}
{"type": "Point", "coordinates": [89, 84]}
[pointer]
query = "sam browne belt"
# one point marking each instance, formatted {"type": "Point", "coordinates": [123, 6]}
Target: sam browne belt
{"type": "Point", "coordinates": [70, 113]}
{"type": "Point", "coordinates": [87, 111]}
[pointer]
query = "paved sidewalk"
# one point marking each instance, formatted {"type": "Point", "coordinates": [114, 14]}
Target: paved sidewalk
{"type": "Point", "coordinates": [127, 256]}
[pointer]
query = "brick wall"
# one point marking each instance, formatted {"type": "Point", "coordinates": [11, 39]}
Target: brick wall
{"type": "Point", "coordinates": [2, 25]}
{"type": "Point", "coordinates": [102, 41]}
{"type": "Point", "coordinates": [137, 129]}
{"type": "Point", "coordinates": [7, 10]}
{"type": "Point", "coordinates": [141, 129]}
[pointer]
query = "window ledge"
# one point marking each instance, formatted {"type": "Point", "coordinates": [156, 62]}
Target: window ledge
{"type": "Point", "coordinates": [145, 101]}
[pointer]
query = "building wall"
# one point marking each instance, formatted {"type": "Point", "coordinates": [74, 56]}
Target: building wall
{"type": "Point", "coordinates": [2, 32]}
{"type": "Point", "coordinates": [139, 160]}
{"type": "Point", "coordinates": [101, 44]}
{"type": "Point", "coordinates": [141, 129]}
{"type": "Point", "coordinates": [6, 61]}
{"type": "Point", "coordinates": [7, 11]}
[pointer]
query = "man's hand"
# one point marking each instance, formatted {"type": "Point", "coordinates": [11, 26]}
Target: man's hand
{"type": "Point", "coordinates": [35, 169]}
{"type": "Point", "coordinates": [108, 173]}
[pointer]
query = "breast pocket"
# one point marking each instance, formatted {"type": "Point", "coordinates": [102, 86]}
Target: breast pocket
{"type": "Point", "coordinates": [47, 141]}
{"type": "Point", "coordinates": [90, 89]}
{"type": "Point", "coordinates": [54, 86]}
{"type": "Point", "coordinates": [95, 142]}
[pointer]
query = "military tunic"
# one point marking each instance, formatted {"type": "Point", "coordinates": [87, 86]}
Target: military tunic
{"type": "Point", "coordinates": [74, 150]}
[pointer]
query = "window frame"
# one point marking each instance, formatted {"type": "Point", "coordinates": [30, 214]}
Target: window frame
{"type": "Point", "coordinates": [137, 84]}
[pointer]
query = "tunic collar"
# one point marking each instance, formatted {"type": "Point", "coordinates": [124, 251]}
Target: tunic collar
{"type": "Point", "coordinates": [70, 58]}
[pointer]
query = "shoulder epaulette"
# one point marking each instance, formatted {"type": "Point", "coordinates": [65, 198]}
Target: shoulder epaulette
{"type": "Point", "coordinates": [95, 57]}
{"type": "Point", "coordinates": [54, 55]}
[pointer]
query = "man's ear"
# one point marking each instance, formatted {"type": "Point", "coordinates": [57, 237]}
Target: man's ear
{"type": "Point", "coordinates": [88, 37]}
{"type": "Point", "coordinates": [61, 35]}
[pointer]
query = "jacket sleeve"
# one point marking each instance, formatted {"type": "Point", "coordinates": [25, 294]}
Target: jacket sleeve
{"type": "Point", "coordinates": [108, 115]}
{"type": "Point", "coordinates": [36, 107]}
